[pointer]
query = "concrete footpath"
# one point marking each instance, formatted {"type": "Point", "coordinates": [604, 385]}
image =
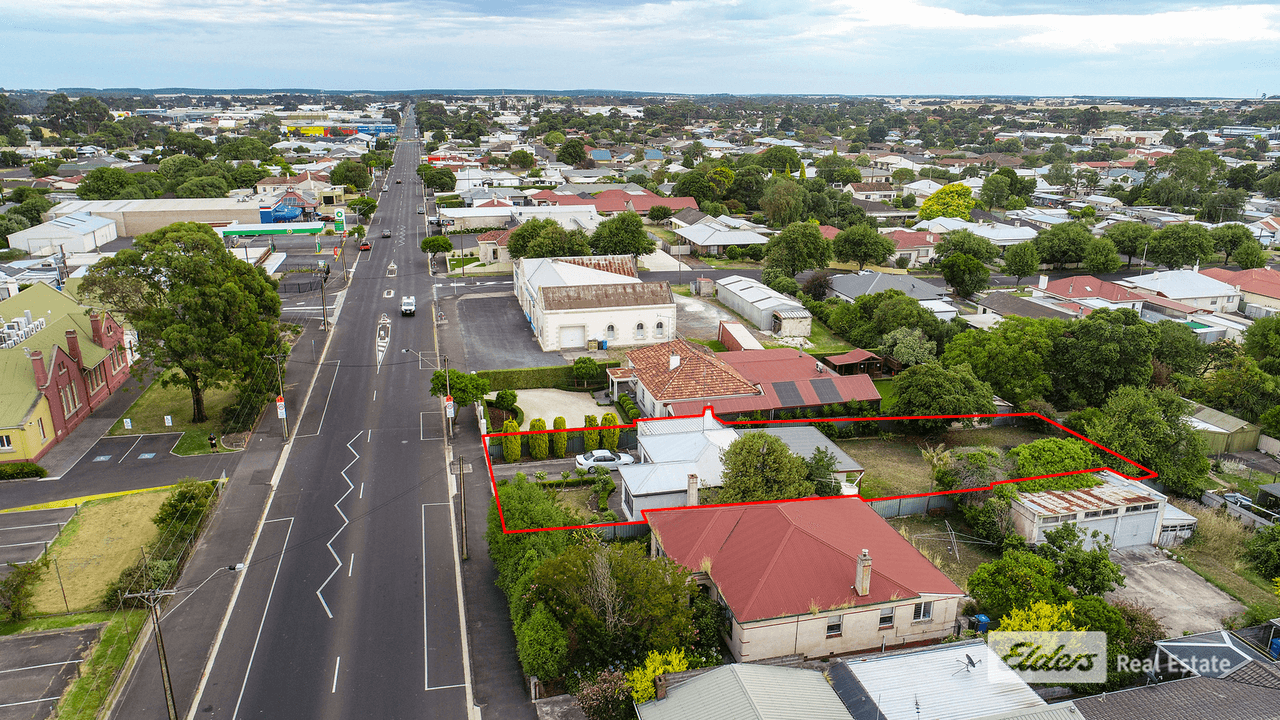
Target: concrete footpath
{"type": "Point", "coordinates": [190, 619]}
{"type": "Point", "coordinates": [495, 668]}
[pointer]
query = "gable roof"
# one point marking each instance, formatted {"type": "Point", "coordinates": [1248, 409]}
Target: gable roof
{"type": "Point", "coordinates": [828, 231]}
{"type": "Point", "coordinates": [1088, 286]}
{"type": "Point", "coordinates": [773, 560]}
{"type": "Point", "coordinates": [853, 356]}
{"type": "Point", "coordinates": [856, 285]}
{"type": "Point", "coordinates": [908, 239]}
{"type": "Point", "coordinates": [498, 237]}
{"type": "Point", "coordinates": [689, 216]}
{"type": "Point", "coordinates": [1259, 281]}
{"type": "Point", "coordinates": [700, 373]}
{"type": "Point", "coordinates": [586, 270]}
{"type": "Point", "coordinates": [1004, 303]}
{"type": "Point", "coordinates": [749, 692]}
{"type": "Point", "coordinates": [1196, 697]}
{"type": "Point", "coordinates": [1181, 284]}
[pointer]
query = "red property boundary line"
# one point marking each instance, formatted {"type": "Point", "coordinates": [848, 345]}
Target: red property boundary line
{"type": "Point", "coordinates": [1148, 473]}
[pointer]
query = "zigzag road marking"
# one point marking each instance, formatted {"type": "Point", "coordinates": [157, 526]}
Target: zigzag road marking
{"type": "Point", "coordinates": [345, 522]}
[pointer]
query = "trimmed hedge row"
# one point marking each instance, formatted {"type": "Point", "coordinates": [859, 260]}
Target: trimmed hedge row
{"type": "Point", "coordinates": [544, 377]}
{"type": "Point", "coordinates": [19, 470]}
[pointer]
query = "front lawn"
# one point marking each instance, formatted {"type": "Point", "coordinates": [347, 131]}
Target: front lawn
{"type": "Point", "coordinates": [884, 386]}
{"type": "Point", "coordinates": [457, 262]}
{"type": "Point", "coordinates": [148, 412]}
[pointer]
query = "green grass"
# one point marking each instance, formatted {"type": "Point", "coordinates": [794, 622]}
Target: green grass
{"type": "Point", "coordinates": [54, 622]}
{"type": "Point", "coordinates": [938, 551]}
{"type": "Point", "coordinates": [723, 264]}
{"type": "Point", "coordinates": [457, 262]}
{"type": "Point", "coordinates": [884, 386]}
{"type": "Point", "coordinates": [826, 341]}
{"type": "Point", "coordinates": [148, 411]}
{"type": "Point", "coordinates": [894, 467]}
{"type": "Point", "coordinates": [87, 694]}
{"type": "Point", "coordinates": [682, 290]}
{"type": "Point", "coordinates": [715, 345]}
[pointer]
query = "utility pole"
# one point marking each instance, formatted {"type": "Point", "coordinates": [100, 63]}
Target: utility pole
{"type": "Point", "coordinates": [152, 599]}
{"type": "Point", "coordinates": [324, 312]}
{"type": "Point", "coordinates": [462, 502]}
{"type": "Point", "coordinates": [284, 422]}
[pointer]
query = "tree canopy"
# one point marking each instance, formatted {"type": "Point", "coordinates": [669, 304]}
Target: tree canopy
{"type": "Point", "coordinates": [759, 466]}
{"type": "Point", "coordinates": [954, 200]}
{"type": "Point", "coordinates": [933, 389]}
{"type": "Point", "coordinates": [801, 246]}
{"type": "Point", "coordinates": [198, 310]}
{"type": "Point", "coordinates": [862, 244]}
{"type": "Point", "coordinates": [623, 234]}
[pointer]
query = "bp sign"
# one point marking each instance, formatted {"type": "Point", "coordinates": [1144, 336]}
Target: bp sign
{"type": "Point", "coordinates": [340, 220]}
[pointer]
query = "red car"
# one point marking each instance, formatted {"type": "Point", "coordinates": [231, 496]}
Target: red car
{"type": "Point", "coordinates": [366, 245]}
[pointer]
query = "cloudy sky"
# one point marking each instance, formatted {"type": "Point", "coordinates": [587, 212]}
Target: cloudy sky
{"type": "Point", "coordinates": [1042, 47]}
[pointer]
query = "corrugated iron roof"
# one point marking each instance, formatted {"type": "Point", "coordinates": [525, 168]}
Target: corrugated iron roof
{"type": "Point", "coordinates": [780, 559]}
{"type": "Point", "coordinates": [749, 692]}
{"type": "Point", "coordinates": [579, 297]}
{"type": "Point", "coordinates": [1108, 495]}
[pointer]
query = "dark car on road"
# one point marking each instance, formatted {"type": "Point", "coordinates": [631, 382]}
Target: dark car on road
{"type": "Point", "coordinates": [386, 233]}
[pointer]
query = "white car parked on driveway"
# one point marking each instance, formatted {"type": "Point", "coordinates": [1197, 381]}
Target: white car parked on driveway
{"type": "Point", "coordinates": [603, 458]}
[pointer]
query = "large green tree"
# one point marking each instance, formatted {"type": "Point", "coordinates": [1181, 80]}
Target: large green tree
{"type": "Point", "coordinates": [933, 389]}
{"type": "Point", "coordinates": [1014, 356]}
{"type": "Point", "coordinates": [1228, 238]}
{"type": "Point", "coordinates": [204, 318]}
{"type": "Point", "coordinates": [1242, 389]}
{"type": "Point", "coordinates": [964, 241]}
{"type": "Point", "coordinates": [103, 183]}
{"type": "Point", "coordinates": [1250, 255]}
{"type": "Point", "coordinates": [572, 152]}
{"type": "Point", "coordinates": [1087, 571]}
{"type": "Point", "coordinates": [1149, 426]}
{"type": "Point", "coordinates": [1177, 245]}
{"type": "Point", "coordinates": [1064, 243]}
{"type": "Point", "coordinates": [438, 179]}
{"type": "Point", "coordinates": [783, 201]}
{"type": "Point", "coordinates": [862, 244]}
{"type": "Point", "coordinates": [965, 274]}
{"type": "Point", "coordinates": [1130, 239]}
{"type": "Point", "coordinates": [1099, 353]}
{"type": "Point", "coordinates": [1016, 580]}
{"type": "Point", "coordinates": [623, 234]}
{"type": "Point", "coordinates": [1021, 260]}
{"type": "Point", "coordinates": [1100, 256]}
{"type": "Point", "coordinates": [350, 173]}
{"type": "Point", "coordinates": [759, 466]}
{"type": "Point", "coordinates": [801, 246]}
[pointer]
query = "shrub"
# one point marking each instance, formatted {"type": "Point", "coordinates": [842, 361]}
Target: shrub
{"type": "Point", "coordinates": [733, 252]}
{"type": "Point", "coordinates": [657, 663]}
{"type": "Point", "coordinates": [609, 435]}
{"type": "Point", "coordinates": [137, 578]}
{"type": "Point", "coordinates": [18, 588]}
{"type": "Point", "coordinates": [606, 697]}
{"type": "Point", "coordinates": [539, 443]}
{"type": "Point", "coordinates": [902, 261]}
{"type": "Point", "coordinates": [590, 433]}
{"type": "Point", "coordinates": [542, 644]}
{"type": "Point", "coordinates": [510, 443]}
{"type": "Point", "coordinates": [1263, 551]}
{"type": "Point", "coordinates": [19, 470]}
{"type": "Point", "coordinates": [604, 487]}
{"type": "Point", "coordinates": [506, 400]}
{"type": "Point", "coordinates": [658, 213]}
{"type": "Point", "coordinates": [560, 440]}
{"type": "Point", "coordinates": [785, 285]}
{"type": "Point", "coordinates": [180, 516]}
{"type": "Point", "coordinates": [755, 252]}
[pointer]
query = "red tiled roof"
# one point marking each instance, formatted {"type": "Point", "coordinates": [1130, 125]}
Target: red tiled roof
{"type": "Point", "coordinates": [700, 373]}
{"type": "Point", "coordinates": [829, 232]}
{"type": "Point", "coordinates": [774, 560]}
{"type": "Point", "coordinates": [616, 264]}
{"type": "Point", "coordinates": [500, 237]}
{"type": "Point", "coordinates": [869, 187]}
{"type": "Point", "coordinates": [1088, 286]}
{"type": "Point", "coordinates": [907, 239]}
{"type": "Point", "coordinates": [1259, 281]}
{"type": "Point", "coordinates": [765, 367]}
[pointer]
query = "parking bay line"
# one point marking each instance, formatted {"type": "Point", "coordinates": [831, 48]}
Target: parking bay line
{"type": "Point", "coordinates": [426, 679]}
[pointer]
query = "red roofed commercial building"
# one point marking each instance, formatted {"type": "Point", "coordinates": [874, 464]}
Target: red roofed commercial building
{"type": "Point", "coordinates": [1259, 289]}
{"type": "Point", "coordinates": [813, 578]}
{"type": "Point", "coordinates": [615, 201]}
{"type": "Point", "coordinates": [681, 378]}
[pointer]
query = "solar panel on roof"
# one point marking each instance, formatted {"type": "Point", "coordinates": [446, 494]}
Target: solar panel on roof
{"type": "Point", "coordinates": [825, 388]}
{"type": "Point", "coordinates": [787, 393]}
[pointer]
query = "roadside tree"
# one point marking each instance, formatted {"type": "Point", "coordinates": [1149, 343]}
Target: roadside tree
{"type": "Point", "coordinates": [1021, 261]}
{"type": "Point", "coordinates": [623, 234]}
{"type": "Point", "coordinates": [800, 247]}
{"type": "Point", "coordinates": [965, 274]}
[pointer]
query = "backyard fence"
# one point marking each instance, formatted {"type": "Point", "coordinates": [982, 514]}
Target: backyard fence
{"type": "Point", "coordinates": [1246, 517]}
{"type": "Point", "coordinates": [897, 507]}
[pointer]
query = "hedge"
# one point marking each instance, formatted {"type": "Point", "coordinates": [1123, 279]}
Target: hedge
{"type": "Point", "coordinates": [19, 470]}
{"type": "Point", "coordinates": [559, 440]}
{"type": "Point", "coordinates": [525, 378]}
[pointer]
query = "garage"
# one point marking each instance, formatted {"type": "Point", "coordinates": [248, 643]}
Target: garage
{"type": "Point", "coordinates": [1125, 510]}
{"type": "Point", "coordinates": [573, 337]}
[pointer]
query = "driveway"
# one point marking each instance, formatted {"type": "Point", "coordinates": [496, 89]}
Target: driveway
{"type": "Point", "coordinates": [497, 336]}
{"type": "Point", "coordinates": [695, 317]}
{"type": "Point", "coordinates": [1181, 600]}
{"type": "Point", "coordinates": [548, 403]}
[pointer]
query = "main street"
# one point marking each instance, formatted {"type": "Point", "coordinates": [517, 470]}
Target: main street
{"type": "Point", "coordinates": [350, 604]}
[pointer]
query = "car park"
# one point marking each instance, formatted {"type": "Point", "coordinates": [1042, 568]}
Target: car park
{"type": "Point", "coordinates": [408, 305]}
{"type": "Point", "coordinates": [366, 245]}
{"type": "Point", "coordinates": [603, 458]}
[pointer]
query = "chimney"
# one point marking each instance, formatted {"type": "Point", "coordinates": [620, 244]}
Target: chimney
{"type": "Point", "coordinates": [73, 346]}
{"type": "Point", "coordinates": [1044, 282]}
{"type": "Point", "coordinates": [37, 366]}
{"type": "Point", "coordinates": [691, 496]}
{"type": "Point", "coordinates": [95, 325]}
{"type": "Point", "coordinates": [673, 362]}
{"type": "Point", "coordinates": [660, 688]}
{"type": "Point", "coordinates": [862, 576]}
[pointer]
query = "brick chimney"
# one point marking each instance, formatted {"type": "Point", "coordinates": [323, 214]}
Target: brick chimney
{"type": "Point", "coordinates": [660, 688]}
{"type": "Point", "coordinates": [37, 366]}
{"type": "Point", "coordinates": [691, 499]}
{"type": "Point", "coordinates": [95, 324]}
{"type": "Point", "coordinates": [862, 575]}
{"type": "Point", "coordinates": [73, 346]}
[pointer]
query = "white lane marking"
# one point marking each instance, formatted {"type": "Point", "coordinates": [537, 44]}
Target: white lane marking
{"type": "Point", "coordinates": [345, 522]}
{"type": "Point", "coordinates": [369, 437]}
{"type": "Point", "coordinates": [27, 527]}
{"type": "Point", "coordinates": [361, 491]}
{"type": "Point", "coordinates": [375, 396]}
{"type": "Point", "coordinates": [131, 447]}
{"type": "Point", "coordinates": [28, 702]}
{"type": "Point", "coordinates": [325, 411]}
{"type": "Point", "coordinates": [261, 623]}
{"type": "Point", "coordinates": [383, 339]}
{"type": "Point", "coordinates": [426, 678]}
{"type": "Point", "coordinates": [33, 667]}
{"type": "Point", "coordinates": [336, 665]}
{"type": "Point", "coordinates": [445, 687]}
{"type": "Point", "coordinates": [351, 564]}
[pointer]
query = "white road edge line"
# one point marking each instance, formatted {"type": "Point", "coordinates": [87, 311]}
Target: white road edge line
{"type": "Point", "coordinates": [280, 561]}
{"type": "Point", "coordinates": [345, 522]}
{"type": "Point", "coordinates": [253, 545]}
{"type": "Point", "coordinates": [472, 710]}
{"type": "Point", "coordinates": [323, 413]}
{"type": "Point", "coordinates": [28, 702]}
{"type": "Point", "coordinates": [426, 679]}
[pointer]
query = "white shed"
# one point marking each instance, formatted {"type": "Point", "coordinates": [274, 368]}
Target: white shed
{"type": "Point", "coordinates": [763, 306]}
{"type": "Point", "coordinates": [76, 233]}
{"type": "Point", "coordinates": [1127, 511]}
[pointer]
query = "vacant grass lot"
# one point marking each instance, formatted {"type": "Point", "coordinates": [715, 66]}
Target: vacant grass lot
{"type": "Point", "coordinates": [148, 412]}
{"type": "Point", "coordinates": [1214, 553]}
{"type": "Point", "coordinates": [939, 551]}
{"type": "Point", "coordinates": [884, 386]}
{"type": "Point", "coordinates": [103, 539]}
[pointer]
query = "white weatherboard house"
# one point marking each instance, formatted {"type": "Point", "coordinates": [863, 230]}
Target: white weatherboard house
{"type": "Point", "coordinates": [1189, 287]}
{"type": "Point", "coordinates": [573, 300]}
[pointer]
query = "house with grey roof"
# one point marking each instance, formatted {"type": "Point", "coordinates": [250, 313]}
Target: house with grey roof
{"type": "Point", "coordinates": [854, 285]}
{"type": "Point", "coordinates": [746, 692]}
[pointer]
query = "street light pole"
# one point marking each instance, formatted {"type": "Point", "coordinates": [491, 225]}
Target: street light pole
{"type": "Point", "coordinates": [284, 422]}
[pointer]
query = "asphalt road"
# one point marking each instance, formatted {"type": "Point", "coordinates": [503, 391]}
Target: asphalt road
{"type": "Point", "coordinates": [350, 604]}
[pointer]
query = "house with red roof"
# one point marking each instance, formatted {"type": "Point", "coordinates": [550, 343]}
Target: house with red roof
{"type": "Point", "coordinates": [1259, 289]}
{"type": "Point", "coordinates": [615, 200]}
{"type": "Point", "coordinates": [914, 245]}
{"type": "Point", "coordinates": [1085, 293]}
{"type": "Point", "coordinates": [493, 246]}
{"type": "Point", "coordinates": [816, 577]}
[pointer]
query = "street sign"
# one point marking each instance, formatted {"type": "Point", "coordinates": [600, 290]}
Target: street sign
{"type": "Point", "coordinates": [448, 409]}
{"type": "Point", "coordinates": [128, 424]}
{"type": "Point", "coordinates": [280, 406]}
{"type": "Point", "coordinates": [168, 421]}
